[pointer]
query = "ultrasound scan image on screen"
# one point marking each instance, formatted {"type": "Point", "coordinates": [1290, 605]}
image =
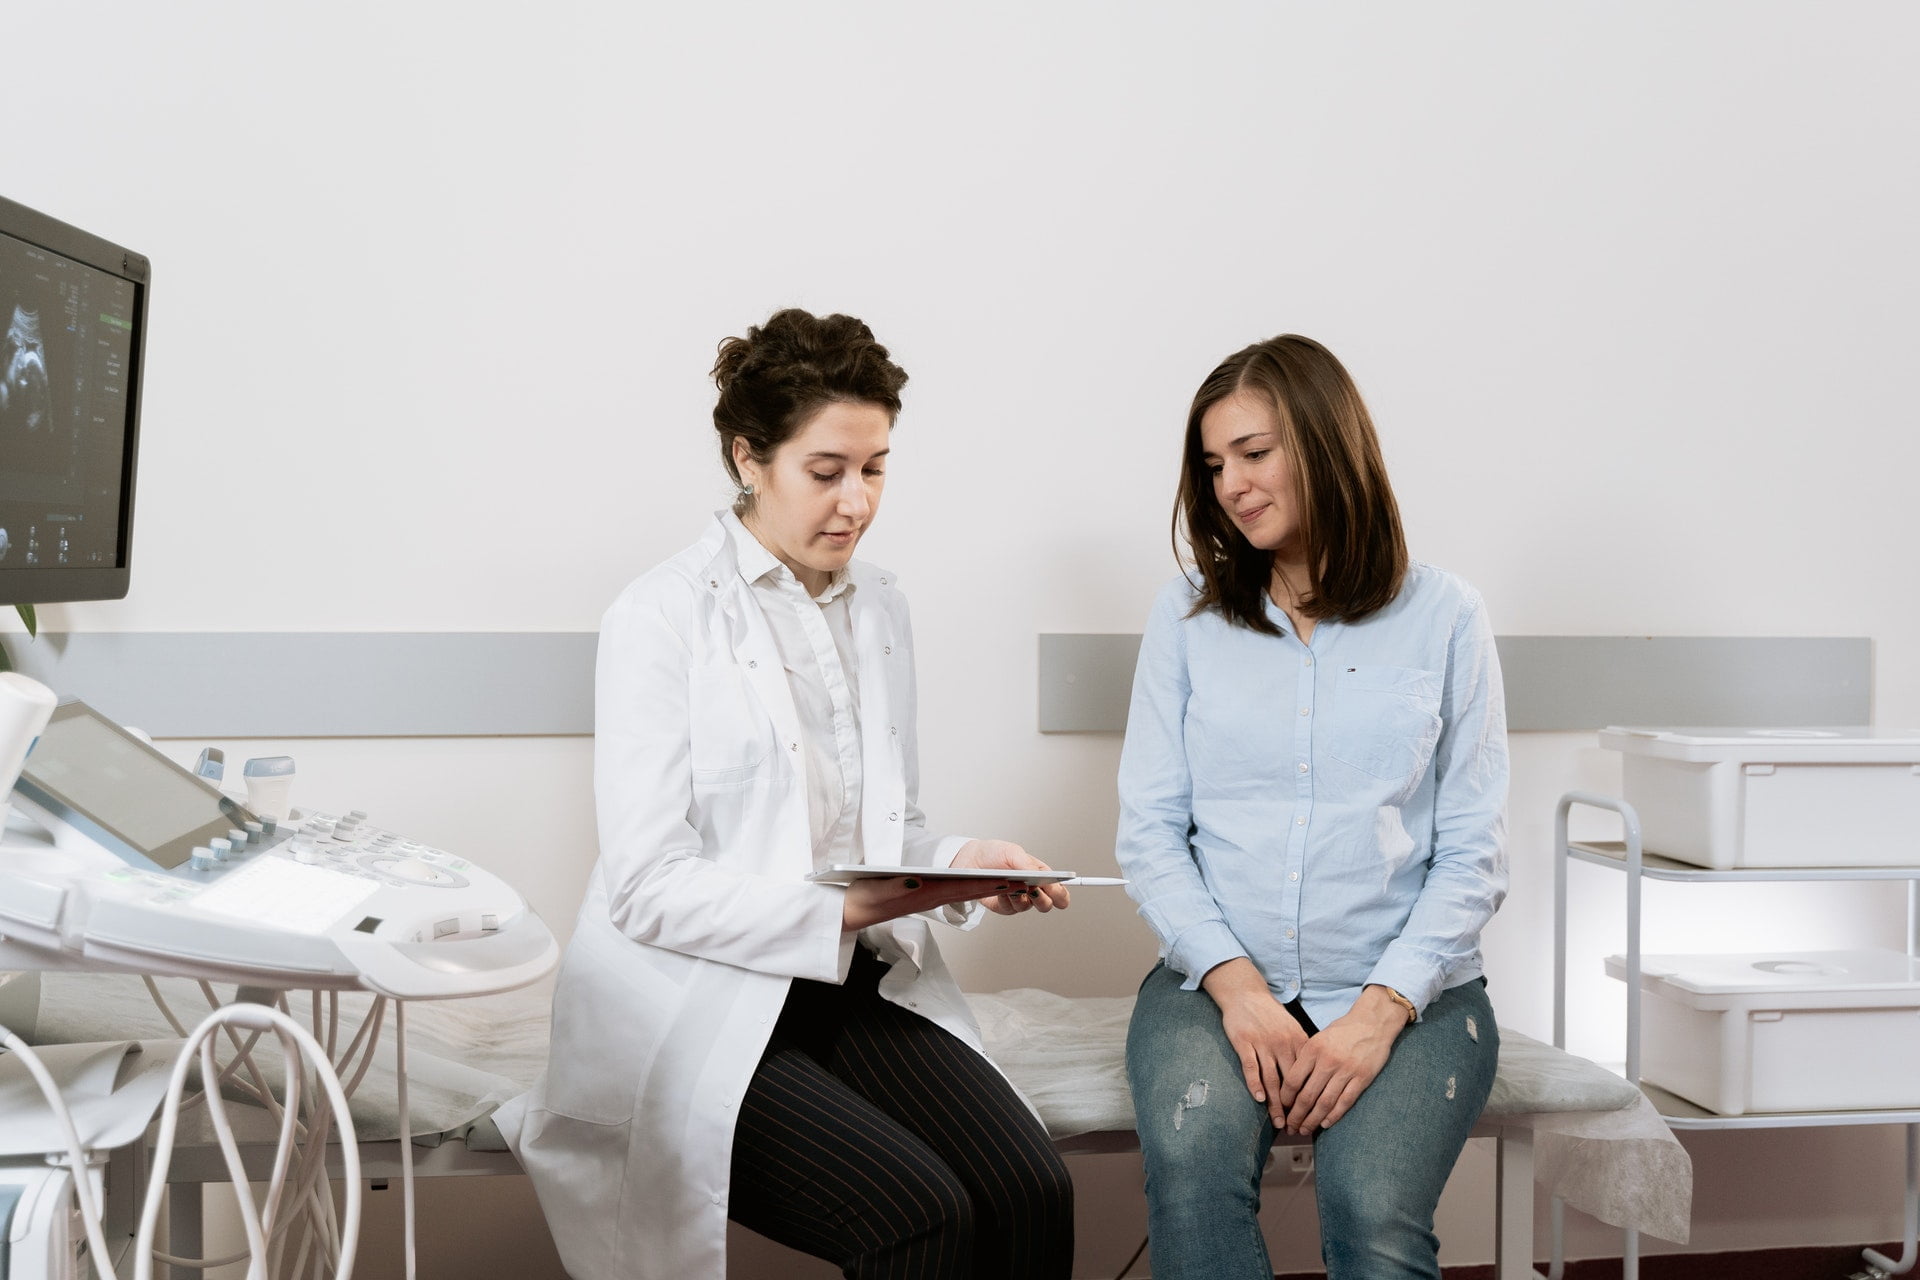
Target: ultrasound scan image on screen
{"type": "Point", "coordinates": [26, 401]}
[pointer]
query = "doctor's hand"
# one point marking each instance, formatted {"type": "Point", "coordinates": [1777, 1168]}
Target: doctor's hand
{"type": "Point", "coordinates": [871, 902]}
{"type": "Point", "coordinates": [1336, 1066]}
{"type": "Point", "coordinates": [997, 854]}
{"type": "Point", "coordinates": [1268, 1039]}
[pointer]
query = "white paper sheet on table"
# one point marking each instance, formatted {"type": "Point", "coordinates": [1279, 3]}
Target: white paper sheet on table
{"type": "Point", "coordinates": [464, 1057]}
{"type": "Point", "coordinates": [1618, 1162]}
{"type": "Point", "coordinates": [111, 1091]}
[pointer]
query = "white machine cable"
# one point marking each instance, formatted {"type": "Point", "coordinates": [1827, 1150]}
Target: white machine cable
{"type": "Point", "coordinates": [299, 1197]}
{"type": "Point", "coordinates": [227, 1072]}
{"type": "Point", "coordinates": [320, 1224]}
{"type": "Point", "coordinates": [296, 1196]}
{"type": "Point", "coordinates": [216, 1113]}
{"type": "Point", "coordinates": [370, 1031]}
{"type": "Point", "coordinates": [275, 1231]}
{"type": "Point", "coordinates": [307, 1193]}
{"type": "Point", "coordinates": [301, 1213]}
{"type": "Point", "coordinates": [406, 1128]}
{"type": "Point", "coordinates": [289, 1123]}
{"type": "Point", "coordinates": [331, 1039]}
{"type": "Point", "coordinates": [229, 1151]}
{"type": "Point", "coordinates": [259, 1091]}
{"type": "Point", "coordinates": [299, 1043]}
{"type": "Point", "coordinates": [82, 1178]}
{"type": "Point", "coordinates": [312, 1197]}
{"type": "Point", "coordinates": [166, 1010]}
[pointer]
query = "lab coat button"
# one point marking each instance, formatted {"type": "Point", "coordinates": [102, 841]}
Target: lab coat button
{"type": "Point", "coordinates": [893, 817]}
{"type": "Point", "coordinates": [793, 746]}
{"type": "Point", "coordinates": [753, 663]}
{"type": "Point", "coordinates": [887, 649]}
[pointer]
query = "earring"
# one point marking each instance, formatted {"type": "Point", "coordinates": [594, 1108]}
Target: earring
{"type": "Point", "coordinates": [746, 490]}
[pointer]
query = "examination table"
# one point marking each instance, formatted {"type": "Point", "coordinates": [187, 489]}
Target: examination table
{"type": "Point", "coordinates": [1566, 1124]}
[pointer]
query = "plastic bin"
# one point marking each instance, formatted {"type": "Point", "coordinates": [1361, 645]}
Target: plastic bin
{"type": "Point", "coordinates": [1786, 1031]}
{"type": "Point", "coordinates": [1727, 798]}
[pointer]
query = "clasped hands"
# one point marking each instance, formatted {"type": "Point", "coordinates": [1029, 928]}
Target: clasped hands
{"type": "Point", "coordinates": [1305, 1082]}
{"type": "Point", "coordinates": [870, 902]}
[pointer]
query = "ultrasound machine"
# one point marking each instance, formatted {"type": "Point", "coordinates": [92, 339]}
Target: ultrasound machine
{"type": "Point", "coordinates": [116, 859]}
{"type": "Point", "coordinates": [145, 867]}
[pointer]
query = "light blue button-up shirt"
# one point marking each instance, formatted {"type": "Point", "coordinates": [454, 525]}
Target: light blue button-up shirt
{"type": "Point", "coordinates": [1334, 811]}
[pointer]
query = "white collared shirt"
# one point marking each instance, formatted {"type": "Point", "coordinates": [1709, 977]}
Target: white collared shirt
{"type": "Point", "coordinates": [814, 637]}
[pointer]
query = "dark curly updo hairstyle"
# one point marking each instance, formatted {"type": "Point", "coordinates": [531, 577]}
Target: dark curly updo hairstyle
{"type": "Point", "coordinates": [783, 372]}
{"type": "Point", "coordinates": [1349, 521]}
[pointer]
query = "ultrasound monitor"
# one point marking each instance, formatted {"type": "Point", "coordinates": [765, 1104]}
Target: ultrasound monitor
{"type": "Point", "coordinates": [73, 311]}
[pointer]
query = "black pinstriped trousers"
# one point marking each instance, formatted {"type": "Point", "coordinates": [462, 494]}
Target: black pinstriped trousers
{"type": "Point", "coordinates": [874, 1139]}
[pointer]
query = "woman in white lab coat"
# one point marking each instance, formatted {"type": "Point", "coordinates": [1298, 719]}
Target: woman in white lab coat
{"type": "Point", "coordinates": [730, 1039]}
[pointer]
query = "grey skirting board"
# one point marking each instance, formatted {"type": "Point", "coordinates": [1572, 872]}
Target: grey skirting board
{"type": "Point", "coordinates": [484, 683]}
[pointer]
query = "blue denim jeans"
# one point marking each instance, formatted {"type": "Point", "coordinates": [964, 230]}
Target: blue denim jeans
{"type": "Point", "coordinates": [1378, 1172]}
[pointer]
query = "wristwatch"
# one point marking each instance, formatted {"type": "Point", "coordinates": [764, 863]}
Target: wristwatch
{"type": "Point", "coordinates": [1413, 1014]}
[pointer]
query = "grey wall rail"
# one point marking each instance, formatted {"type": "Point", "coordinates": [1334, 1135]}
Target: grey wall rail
{"type": "Point", "coordinates": [270, 684]}
{"type": "Point", "coordinates": [1556, 682]}
{"type": "Point", "coordinates": [452, 684]}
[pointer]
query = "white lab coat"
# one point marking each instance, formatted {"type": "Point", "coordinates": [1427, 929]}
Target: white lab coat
{"type": "Point", "coordinates": [698, 914]}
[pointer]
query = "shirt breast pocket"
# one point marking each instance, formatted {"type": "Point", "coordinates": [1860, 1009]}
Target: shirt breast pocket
{"type": "Point", "coordinates": [1389, 721]}
{"type": "Point", "coordinates": [729, 733]}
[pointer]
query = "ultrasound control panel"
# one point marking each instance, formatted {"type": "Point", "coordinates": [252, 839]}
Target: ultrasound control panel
{"type": "Point", "coordinates": [354, 847]}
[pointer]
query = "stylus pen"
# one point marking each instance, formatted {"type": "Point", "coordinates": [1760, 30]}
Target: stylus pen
{"type": "Point", "coordinates": [1097, 881]}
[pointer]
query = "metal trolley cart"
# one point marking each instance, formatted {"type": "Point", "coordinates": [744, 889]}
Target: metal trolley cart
{"type": "Point", "coordinates": [1629, 856]}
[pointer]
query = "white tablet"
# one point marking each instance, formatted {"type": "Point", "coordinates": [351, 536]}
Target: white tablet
{"type": "Point", "coordinates": [848, 872]}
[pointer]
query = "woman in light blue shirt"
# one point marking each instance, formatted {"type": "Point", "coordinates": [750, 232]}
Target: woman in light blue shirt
{"type": "Point", "coordinates": [1312, 818]}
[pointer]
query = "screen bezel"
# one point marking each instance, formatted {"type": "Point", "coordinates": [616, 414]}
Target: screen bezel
{"type": "Point", "coordinates": [44, 584]}
{"type": "Point", "coordinates": [166, 857]}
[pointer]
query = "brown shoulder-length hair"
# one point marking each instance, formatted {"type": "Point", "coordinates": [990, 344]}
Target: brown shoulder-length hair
{"type": "Point", "coordinates": [1356, 552]}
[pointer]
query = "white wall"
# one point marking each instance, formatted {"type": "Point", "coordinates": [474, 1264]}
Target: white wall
{"type": "Point", "coordinates": [1629, 288]}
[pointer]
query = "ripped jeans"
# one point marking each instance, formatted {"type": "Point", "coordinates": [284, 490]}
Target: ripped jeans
{"type": "Point", "coordinates": [1378, 1172]}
